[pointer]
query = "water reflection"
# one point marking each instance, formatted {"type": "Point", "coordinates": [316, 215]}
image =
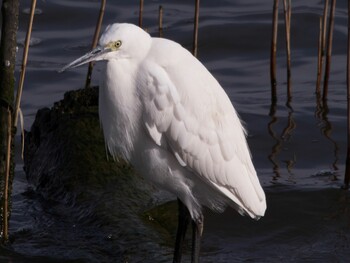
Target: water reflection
{"type": "Point", "coordinates": [326, 127]}
{"type": "Point", "coordinates": [291, 125]}
{"type": "Point", "coordinates": [287, 134]}
{"type": "Point", "coordinates": [276, 148]}
{"type": "Point", "coordinates": [281, 139]}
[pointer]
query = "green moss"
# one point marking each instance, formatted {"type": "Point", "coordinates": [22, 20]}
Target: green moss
{"type": "Point", "coordinates": [66, 161]}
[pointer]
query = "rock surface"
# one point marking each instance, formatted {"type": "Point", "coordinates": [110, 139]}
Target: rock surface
{"type": "Point", "coordinates": [67, 165]}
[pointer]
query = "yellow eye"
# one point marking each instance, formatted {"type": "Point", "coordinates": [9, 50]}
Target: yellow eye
{"type": "Point", "coordinates": [114, 45]}
{"type": "Point", "coordinates": [117, 44]}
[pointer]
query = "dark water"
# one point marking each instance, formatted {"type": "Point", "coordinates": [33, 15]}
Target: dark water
{"type": "Point", "coordinates": [299, 150]}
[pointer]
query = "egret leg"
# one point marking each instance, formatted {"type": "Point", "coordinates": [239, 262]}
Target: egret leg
{"type": "Point", "coordinates": [184, 220]}
{"type": "Point", "coordinates": [197, 231]}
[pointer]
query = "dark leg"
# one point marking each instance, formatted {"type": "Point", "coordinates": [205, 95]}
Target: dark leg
{"type": "Point", "coordinates": [197, 230]}
{"type": "Point", "coordinates": [184, 220]}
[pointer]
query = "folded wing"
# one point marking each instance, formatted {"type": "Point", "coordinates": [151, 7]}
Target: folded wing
{"type": "Point", "coordinates": [187, 110]}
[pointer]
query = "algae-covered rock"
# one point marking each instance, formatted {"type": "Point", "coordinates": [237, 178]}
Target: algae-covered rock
{"type": "Point", "coordinates": [65, 150]}
{"type": "Point", "coordinates": [67, 165]}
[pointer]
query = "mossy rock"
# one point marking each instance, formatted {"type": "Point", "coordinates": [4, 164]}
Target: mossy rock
{"type": "Point", "coordinates": [67, 164]}
{"type": "Point", "coordinates": [65, 148]}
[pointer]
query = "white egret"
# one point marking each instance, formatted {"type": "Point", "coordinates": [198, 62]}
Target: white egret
{"type": "Point", "coordinates": [163, 111]}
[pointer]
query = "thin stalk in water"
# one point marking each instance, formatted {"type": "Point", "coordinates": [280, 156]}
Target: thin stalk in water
{"type": "Point", "coordinates": [160, 21]}
{"type": "Point", "coordinates": [273, 51]}
{"type": "Point", "coordinates": [347, 170]}
{"type": "Point", "coordinates": [95, 40]}
{"type": "Point", "coordinates": [319, 58]}
{"type": "Point", "coordinates": [140, 13]}
{"type": "Point", "coordinates": [24, 63]}
{"type": "Point", "coordinates": [7, 177]}
{"type": "Point", "coordinates": [195, 31]}
{"type": "Point", "coordinates": [287, 16]}
{"type": "Point", "coordinates": [329, 51]}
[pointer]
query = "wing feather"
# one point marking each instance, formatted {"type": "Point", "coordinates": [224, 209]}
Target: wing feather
{"type": "Point", "coordinates": [203, 130]}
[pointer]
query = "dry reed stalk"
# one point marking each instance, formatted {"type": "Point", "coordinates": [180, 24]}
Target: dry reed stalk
{"type": "Point", "coordinates": [289, 11]}
{"type": "Point", "coordinates": [273, 51]}
{"type": "Point", "coordinates": [319, 58]}
{"type": "Point", "coordinates": [7, 176]}
{"type": "Point", "coordinates": [160, 21]}
{"type": "Point", "coordinates": [140, 13]}
{"type": "Point", "coordinates": [24, 63]}
{"type": "Point", "coordinates": [323, 44]}
{"type": "Point", "coordinates": [329, 50]}
{"type": "Point", "coordinates": [287, 16]}
{"type": "Point", "coordinates": [95, 40]}
{"type": "Point", "coordinates": [195, 31]}
{"type": "Point", "coordinates": [324, 27]}
{"type": "Point", "coordinates": [347, 170]}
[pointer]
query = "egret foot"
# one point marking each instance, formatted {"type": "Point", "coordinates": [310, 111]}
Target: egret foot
{"type": "Point", "coordinates": [183, 221]}
{"type": "Point", "coordinates": [197, 230]}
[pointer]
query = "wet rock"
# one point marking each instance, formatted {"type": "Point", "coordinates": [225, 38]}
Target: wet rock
{"type": "Point", "coordinates": [67, 165]}
{"type": "Point", "coordinates": [64, 150]}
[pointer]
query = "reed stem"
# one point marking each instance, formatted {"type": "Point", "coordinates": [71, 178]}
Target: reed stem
{"type": "Point", "coordinates": [319, 58]}
{"type": "Point", "coordinates": [287, 16]}
{"type": "Point", "coordinates": [7, 177]}
{"type": "Point", "coordinates": [347, 170]}
{"type": "Point", "coordinates": [9, 26]}
{"type": "Point", "coordinates": [323, 44]}
{"type": "Point", "coordinates": [95, 41]}
{"type": "Point", "coordinates": [324, 27]}
{"type": "Point", "coordinates": [273, 51]}
{"type": "Point", "coordinates": [140, 13]}
{"type": "Point", "coordinates": [24, 63]}
{"type": "Point", "coordinates": [329, 51]}
{"type": "Point", "coordinates": [289, 11]}
{"type": "Point", "coordinates": [195, 31]}
{"type": "Point", "coordinates": [160, 21]}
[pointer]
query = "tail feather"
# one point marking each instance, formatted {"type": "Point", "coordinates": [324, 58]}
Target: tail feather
{"type": "Point", "coordinates": [255, 208]}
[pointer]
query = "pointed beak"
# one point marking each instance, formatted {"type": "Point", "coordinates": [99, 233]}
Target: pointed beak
{"type": "Point", "coordinates": [93, 55]}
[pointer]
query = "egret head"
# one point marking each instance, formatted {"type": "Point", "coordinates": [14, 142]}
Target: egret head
{"type": "Point", "coordinates": [119, 41]}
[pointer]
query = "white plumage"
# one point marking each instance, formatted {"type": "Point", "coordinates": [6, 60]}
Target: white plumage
{"type": "Point", "coordinates": [161, 108]}
{"type": "Point", "coordinates": [163, 111]}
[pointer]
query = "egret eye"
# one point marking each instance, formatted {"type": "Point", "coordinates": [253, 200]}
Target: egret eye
{"type": "Point", "coordinates": [114, 45]}
{"type": "Point", "coordinates": [117, 44]}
